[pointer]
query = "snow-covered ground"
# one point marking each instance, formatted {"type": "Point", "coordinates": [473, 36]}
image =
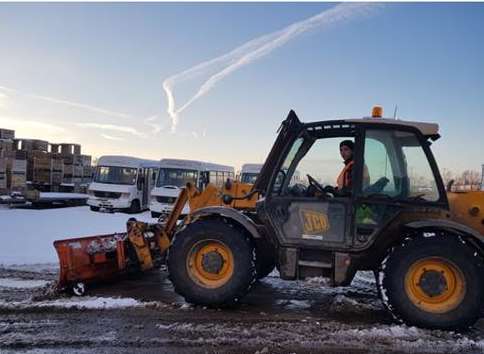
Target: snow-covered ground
{"type": "Point", "coordinates": [21, 283]}
{"type": "Point", "coordinates": [27, 235]}
{"type": "Point", "coordinates": [88, 302]}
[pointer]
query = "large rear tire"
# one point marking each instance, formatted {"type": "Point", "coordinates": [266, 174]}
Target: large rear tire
{"type": "Point", "coordinates": [211, 263]}
{"type": "Point", "coordinates": [433, 283]}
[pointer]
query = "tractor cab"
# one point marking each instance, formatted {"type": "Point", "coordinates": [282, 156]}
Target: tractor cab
{"type": "Point", "coordinates": [392, 169]}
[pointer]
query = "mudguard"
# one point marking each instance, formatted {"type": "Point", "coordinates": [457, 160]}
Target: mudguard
{"type": "Point", "coordinates": [228, 213]}
{"type": "Point", "coordinates": [448, 225]}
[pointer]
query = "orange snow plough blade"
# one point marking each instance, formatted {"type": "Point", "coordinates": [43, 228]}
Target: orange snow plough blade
{"type": "Point", "coordinates": [89, 259]}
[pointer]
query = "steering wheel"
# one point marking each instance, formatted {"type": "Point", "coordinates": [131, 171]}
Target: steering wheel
{"type": "Point", "coordinates": [316, 184]}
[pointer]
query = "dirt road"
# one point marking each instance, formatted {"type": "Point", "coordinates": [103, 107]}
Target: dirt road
{"type": "Point", "coordinates": [144, 316]}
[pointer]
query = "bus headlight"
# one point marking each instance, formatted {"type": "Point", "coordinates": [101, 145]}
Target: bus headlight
{"type": "Point", "coordinates": [125, 195]}
{"type": "Point", "coordinates": [90, 193]}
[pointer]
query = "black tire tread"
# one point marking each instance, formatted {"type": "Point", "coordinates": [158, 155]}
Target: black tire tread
{"type": "Point", "coordinates": [451, 247]}
{"type": "Point", "coordinates": [244, 272]}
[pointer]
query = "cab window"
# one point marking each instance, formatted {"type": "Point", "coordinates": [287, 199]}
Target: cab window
{"type": "Point", "coordinates": [398, 166]}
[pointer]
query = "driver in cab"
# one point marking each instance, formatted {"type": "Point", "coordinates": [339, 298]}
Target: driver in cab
{"type": "Point", "coordinates": [344, 182]}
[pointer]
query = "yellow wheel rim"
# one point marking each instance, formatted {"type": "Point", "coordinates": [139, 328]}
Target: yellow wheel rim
{"type": "Point", "coordinates": [435, 285]}
{"type": "Point", "coordinates": [210, 263]}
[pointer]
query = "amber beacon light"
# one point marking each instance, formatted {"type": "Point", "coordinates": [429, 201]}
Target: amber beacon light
{"type": "Point", "coordinates": [377, 112]}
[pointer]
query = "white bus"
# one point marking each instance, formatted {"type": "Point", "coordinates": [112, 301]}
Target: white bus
{"type": "Point", "coordinates": [122, 182]}
{"type": "Point", "coordinates": [249, 172]}
{"type": "Point", "coordinates": [174, 174]}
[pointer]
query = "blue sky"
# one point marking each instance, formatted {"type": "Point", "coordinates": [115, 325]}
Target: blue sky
{"type": "Point", "coordinates": [426, 58]}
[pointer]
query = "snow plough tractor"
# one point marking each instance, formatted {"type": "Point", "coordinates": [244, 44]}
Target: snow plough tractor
{"type": "Point", "coordinates": [394, 217]}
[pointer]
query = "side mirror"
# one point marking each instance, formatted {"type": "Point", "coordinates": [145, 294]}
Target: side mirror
{"type": "Point", "coordinates": [227, 199]}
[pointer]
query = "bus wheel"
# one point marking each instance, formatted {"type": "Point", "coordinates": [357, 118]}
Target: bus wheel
{"type": "Point", "coordinates": [135, 207]}
{"type": "Point", "coordinates": [211, 263]}
{"type": "Point", "coordinates": [434, 283]}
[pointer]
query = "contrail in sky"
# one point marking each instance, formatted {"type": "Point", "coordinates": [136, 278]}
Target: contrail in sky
{"type": "Point", "coordinates": [68, 103]}
{"type": "Point", "coordinates": [253, 50]}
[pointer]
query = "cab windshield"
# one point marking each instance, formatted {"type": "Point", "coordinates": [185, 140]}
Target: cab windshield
{"type": "Point", "coordinates": [176, 177]}
{"type": "Point", "coordinates": [115, 175]}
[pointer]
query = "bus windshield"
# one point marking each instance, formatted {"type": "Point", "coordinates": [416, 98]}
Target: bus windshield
{"type": "Point", "coordinates": [115, 175]}
{"type": "Point", "coordinates": [248, 177]}
{"type": "Point", "coordinates": [176, 177]}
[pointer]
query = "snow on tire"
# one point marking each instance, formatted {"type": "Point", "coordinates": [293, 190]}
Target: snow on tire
{"type": "Point", "coordinates": [433, 283]}
{"type": "Point", "coordinates": [211, 263]}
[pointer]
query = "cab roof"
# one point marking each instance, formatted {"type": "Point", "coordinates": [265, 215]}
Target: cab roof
{"type": "Point", "coordinates": [430, 130]}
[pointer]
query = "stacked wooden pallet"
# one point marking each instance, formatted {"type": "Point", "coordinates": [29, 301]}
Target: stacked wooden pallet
{"type": "Point", "coordinates": [37, 164]}
{"type": "Point", "coordinates": [13, 165]}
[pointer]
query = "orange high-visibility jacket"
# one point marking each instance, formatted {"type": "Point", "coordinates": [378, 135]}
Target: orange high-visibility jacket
{"type": "Point", "coordinates": [344, 178]}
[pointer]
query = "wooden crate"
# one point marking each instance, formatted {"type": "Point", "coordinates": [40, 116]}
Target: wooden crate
{"type": "Point", "coordinates": [87, 171]}
{"type": "Point", "coordinates": [6, 145]}
{"type": "Point", "coordinates": [17, 155]}
{"type": "Point", "coordinates": [7, 134]}
{"type": "Point", "coordinates": [41, 176]}
{"type": "Point", "coordinates": [78, 160]}
{"type": "Point", "coordinates": [32, 145]}
{"type": "Point", "coordinates": [39, 167]}
{"type": "Point", "coordinates": [86, 160]}
{"type": "Point", "coordinates": [78, 171]}
{"type": "Point", "coordinates": [54, 148]}
{"type": "Point", "coordinates": [56, 178]}
{"type": "Point", "coordinates": [70, 149]}
{"type": "Point", "coordinates": [16, 165]}
{"type": "Point", "coordinates": [57, 165]}
{"type": "Point", "coordinates": [68, 159]}
{"type": "Point", "coordinates": [16, 181]}
{"type": "Point", "coordinates": [3, 175]}
{"type": "Point", "coordinates": [68, 170]}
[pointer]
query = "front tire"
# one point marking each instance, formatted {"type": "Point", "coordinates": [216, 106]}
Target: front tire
{"type": "Point", "coordinates": [433, 283]}
{"type": "Point", "coordinates": [211, 263]}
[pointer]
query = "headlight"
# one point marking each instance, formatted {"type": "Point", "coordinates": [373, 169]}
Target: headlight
{"type": "Point", "coordinates": [90, 192]}
{"type": "Point", "coordinates": [125, 195]}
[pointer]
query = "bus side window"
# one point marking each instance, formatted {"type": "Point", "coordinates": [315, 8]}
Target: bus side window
{"type": "Point", "coordinates": [213, 177]}
{"type": "Point", "coordinates": [204, 180]}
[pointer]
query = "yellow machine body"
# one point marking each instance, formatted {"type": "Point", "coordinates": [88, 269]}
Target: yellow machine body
{"type": "Point", "coordinates": [467, 208]}
{"type": "Point", "coordinates": [212, 196]}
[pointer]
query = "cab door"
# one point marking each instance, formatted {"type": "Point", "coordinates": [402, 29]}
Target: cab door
{"type": "Point", "coordinates": [300, 212]}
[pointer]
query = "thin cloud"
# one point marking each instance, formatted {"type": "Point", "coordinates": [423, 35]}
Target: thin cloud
{"type": "Point", "coordinates": [30, 125]}
{"type": "Point", "coordinates": [3, 100]}
{"type": "Point", "coordinates": [68, 103]}
{"type": "Point", "coordinates": [110, 137]}
{"type": "Point", "coordinates": [111, 127]}
{"type": "Point", "coordinates": [252, 51]}
{"type": "Point", "coordinates": [151, 122]}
